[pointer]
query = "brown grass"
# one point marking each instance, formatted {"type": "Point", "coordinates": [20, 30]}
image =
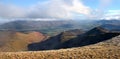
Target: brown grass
{"type": "Point", "coordinates": [91, 52]}
{"type": "Point", "coordinates": [18, 41]}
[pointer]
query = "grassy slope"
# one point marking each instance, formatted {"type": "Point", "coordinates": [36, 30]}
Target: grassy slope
{"type": "Point", "coordinates": [89, 52]}
{"type": "Point", "coordinates": [14, 41]}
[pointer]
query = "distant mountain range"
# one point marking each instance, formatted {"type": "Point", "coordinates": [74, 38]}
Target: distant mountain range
{"type": "Point", "coordinates": [41, 26]}
{"type": "Point", "coordinates": [54, 27]}
{"type": "Point", "coordinates": [112, 21]}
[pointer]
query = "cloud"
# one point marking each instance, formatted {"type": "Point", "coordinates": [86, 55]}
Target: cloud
{"type": "Point", "coordinates": [57, 9]}
{"type": "Point", "coordinates": [61, 9]}
{"type": "Point", "coordinates": [100, 11]}
{"type": "Point", "coordinates": [112, 14]}
{"type": "Point", "coordinates": [9, 11]}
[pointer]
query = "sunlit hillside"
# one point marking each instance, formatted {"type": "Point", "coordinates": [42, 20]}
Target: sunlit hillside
{"type": "Point", "coordinates": [89, 52]}
{"type": "Point", "coordinates": [18, 41]}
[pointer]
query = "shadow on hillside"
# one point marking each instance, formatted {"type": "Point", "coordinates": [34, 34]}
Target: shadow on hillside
{"type": "Point", "coordinates": [55, 42]}
{"type": "Point", "coordinates": [91, 37]}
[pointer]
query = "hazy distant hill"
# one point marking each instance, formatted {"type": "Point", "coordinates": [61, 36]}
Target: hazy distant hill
{"type": "Point", "coordinates": [32, 25]}
{"type": "Point", "coordinates": [112, 21]}
{"type": "Point", "coordinates": [38, 25]}
{"type": "Point", "coordinates": [49, 27]}
{"type": "Point", "coordinates": [43, 25]}
{"type": "Point", "coordinates": [112, 27]}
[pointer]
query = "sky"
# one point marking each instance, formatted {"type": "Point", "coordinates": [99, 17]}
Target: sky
{"type": "Point", "coordinates": [59, 9]}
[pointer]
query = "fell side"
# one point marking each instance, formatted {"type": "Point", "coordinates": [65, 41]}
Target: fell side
{"type": "Point", "coordinates": [88, 52]}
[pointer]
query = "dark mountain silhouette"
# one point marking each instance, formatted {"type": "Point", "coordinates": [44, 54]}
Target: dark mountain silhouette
{"type": "Point", "coordinates": [52, 42]}
{"type": "Point", "coordinates": [115, 41]}
{"type": "Point", "coordinates": [93, 36]}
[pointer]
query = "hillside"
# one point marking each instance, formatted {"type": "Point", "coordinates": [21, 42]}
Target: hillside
{"type": "Point", "coordinates": [33, 40]}
{"type": "Point", "coordinates": [88, 52]}
{"type": "Point", "coordinates": [95, 35]}
{"type": "Point", "coordinates": [54, 41]}
{"type": "Point", "coordinates": [18, 41]}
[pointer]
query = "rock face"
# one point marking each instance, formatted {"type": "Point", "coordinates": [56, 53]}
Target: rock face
{"type": "Point", "coordinates": [93, 36]}
{"type": "Point", "coordinates": [18, 41]}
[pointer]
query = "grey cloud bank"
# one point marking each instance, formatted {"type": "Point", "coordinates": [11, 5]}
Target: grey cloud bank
{"type": "Point", "coordinates": [55, 9]}
{"type": "Point", "coordinates": [63, 9]}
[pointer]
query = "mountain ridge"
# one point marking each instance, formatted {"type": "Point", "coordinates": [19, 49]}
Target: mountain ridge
{"type": "Point", "coordinates": [93, 36]}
